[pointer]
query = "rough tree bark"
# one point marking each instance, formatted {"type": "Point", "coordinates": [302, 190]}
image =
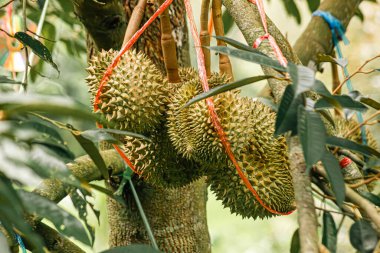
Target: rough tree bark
{"type": "Point", "coordinates": [177, 216]}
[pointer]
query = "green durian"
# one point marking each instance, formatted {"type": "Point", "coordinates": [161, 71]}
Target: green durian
{"type": "Point", "coordinates": [134, 97]}
{"type": "Point", "coordinates": [157, 162]}
{"type": "Point", "coordinates": [191, 130]}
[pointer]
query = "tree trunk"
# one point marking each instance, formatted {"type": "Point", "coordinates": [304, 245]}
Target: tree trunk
{"type": "Point", "coordinates": [177, 216]}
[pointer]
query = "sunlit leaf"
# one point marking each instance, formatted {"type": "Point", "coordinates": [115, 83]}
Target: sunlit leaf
{"type": "Point", "coordinates": [335, 176]}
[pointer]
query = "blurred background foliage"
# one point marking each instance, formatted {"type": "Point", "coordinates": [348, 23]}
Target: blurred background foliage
{"type": "Point", "coordinates": [229, 233]}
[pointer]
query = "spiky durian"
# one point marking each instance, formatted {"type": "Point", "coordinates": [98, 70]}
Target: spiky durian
{"type": "Point", "coordinates": [264, 161]}
{"type": "Point", "coordinates": [191, 129]}
{"type": "Point", "coordinates": [134, 96]}
{"type": "Point", "coordinates": [157, 162]}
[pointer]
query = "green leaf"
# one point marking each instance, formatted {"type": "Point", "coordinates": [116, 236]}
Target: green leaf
{"type": "Point", "coordinates": [321, 89]}
{"type": "Point", "coordinates": [228, 21]}
{"type": "Point", "coordinates": [295, 246]}
{"type": "Point", "coordinates": [363, 237]}
{"type": "Point", "coordinates": [343, 101]}
{"type": "Point", "coordinates": [329, 237]}
{"type": "Point", "coordinates": [286, 119]}
{"type": "Point", "coordinates": [328, 58]}
{"type": "Point", "coordinates": [89, 146]}
{"type": "Point", "coordinates": [37, 47]}
{"type": "Point", "coordinates": [371, 197]}
{"type": "Point", "coordinates": [292, 9]}
{"type": "Point", "coordinates": [239, 45]}
{"type": "Point", "coordinates": [103, 134]}
{"type": "Point", "coordinates": [370, 102]}
{"type": "Point", "coordinates": [312, 134]}
{"type": "Point", "coordinates": [23, 103]}
{"type": "Point", "coordinates": [225, 87]}
{"type": "Point", "coordinates": [313, 4]}
{"type": "Point", "coordinates": [62, 220]}
{"type": "Point", "coordinates": [249, 56]}
{"type": "Point", "coordinates": [59, 149]}
{"type": "Point", "coordinates": [335, 176]}
{"type": "Point", "coordinates": [4, 79]}
{"type": "Point", "coordinates": [303, 78]}
{"type": "Point", "coordinates": [133, 248]}
{"type": "Point", "coordinates": [351, 145]}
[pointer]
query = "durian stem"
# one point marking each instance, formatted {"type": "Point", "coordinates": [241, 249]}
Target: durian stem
{"type": "Point", "coordinates": [205, 36]}
{"type": "Point", "coordinates": [224, 60]}
{"type": "Point", "coordinates": [168, 45]}
{"type": "Point", "coordinates": [135, 20]}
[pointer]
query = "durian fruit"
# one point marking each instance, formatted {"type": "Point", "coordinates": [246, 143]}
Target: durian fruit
{"type": "Point", "coordinates": [264, 161]}
{"type": "Point", "coordinates": [157, 162]}
{"type": "Point", "coordinates": [134, 97]}
{"type": "Point", "coordinates": [191, 130]}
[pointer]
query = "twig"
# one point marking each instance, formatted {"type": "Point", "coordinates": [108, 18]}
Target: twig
{"type": "Point", "coordinates": [169, 49]}
{"type": "Point", "coordinates": [135, 20]}
{"type": "Point", "coordinates": [367, 181]}
{"type": "Point", "coordinates": [224, 60]}
{"type": "Point", "coordinates": [362, 124]}
{"type": "Point", "coordinates": [204, 35]}
{"type": "Point", "coordinates": [6, 4]}
{"type": "Point", "coordinates": [358, 71]}
{"type": "Point", "coordinates": [333, 211]}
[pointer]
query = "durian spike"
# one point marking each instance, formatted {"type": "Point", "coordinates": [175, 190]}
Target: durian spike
{"type": "Point", "coordinates": [224, 60]}
{"type": "Point", "coordinates": [205, 36]}
{"type": "Point", "coordinates": [169, 49]}
{"type": "Point", "coordinates": [135, 20]}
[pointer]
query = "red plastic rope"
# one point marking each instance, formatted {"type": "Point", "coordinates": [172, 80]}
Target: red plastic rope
{"type": "Point", "coordinates": [214, 117]}
{"type": "Point", "coordinates": [267, 36]}
{"type": "Point", "coordinates": [114, 63]}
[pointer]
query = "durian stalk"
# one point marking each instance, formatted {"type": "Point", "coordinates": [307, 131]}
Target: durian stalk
{"type": "Point", "coordinates": [204, 35]}
{"type": "Point", "coordinates": [168, 45]}
{"type": "Point", "coordinates": [135, 20]}
{"type": "Point", "coordinates": [224, 60]}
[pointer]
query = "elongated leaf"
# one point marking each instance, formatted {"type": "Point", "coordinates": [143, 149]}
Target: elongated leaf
{"type": "Point", "coordinates": [134, 248]}
{"type": "Point", "coordinates": [22, 103]}
{"type": "Point", "coordinates": [286, 119]}
{"type": "Point", "coordinates": [292, 9]}
{"type": "Point", "coordinates": [312, 134]}
{"type": "Point", "coordinates": [37, 47]}
{"type": "Point", "coordinates": [370, 102]}
{"type": "Point", "coordinates": [239, 45]}
{"type": "Point", "coordinates": [228, 21]}
{"type": "Point", "coordinates": [328, 58]}
{"type": "Point", "coordinates": [351, 145]}
{"type": "Point", "coordinates": [249, 56]}
{"type": "Point", "coordinates": [295, 245]}
{"type": "Point", "coordinates": [103, 134]}
{"type": "Point", "coordinates": [321, 89]}
{"type": "Point", "coordinates": [303, 78]}
{"type": "Point", "coordinates": [363, 237]}
{"type": "Point", "coordinates": [225, 87]}
{"type": "Point", "coordinates": [371, 197]}
{"type": "Point", "coordinates": [64, 222]}
{"type": "Point", "coordinates": [335, 176]}
{"type": "Point", "coordinates": [329, 237]}
{"type": "Point", "coordinates": [313, 4]}
{"type": "Point", "coordinates": [89, 146]}
{"type": "Point", "coordinates": [344, 101]}
{"type": "Point", "coordinates": [4, 79]}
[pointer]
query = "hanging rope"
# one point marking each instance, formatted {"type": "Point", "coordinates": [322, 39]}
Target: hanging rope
{"type": "Point", "coordinates": [338, 34]}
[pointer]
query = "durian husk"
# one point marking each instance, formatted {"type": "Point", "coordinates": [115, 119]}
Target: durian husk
{"type": "Point", "coordinates": [134, 97]}
{"type": "Point", "coordinates": [157, 162]}
{"type": "Point", "coordinates": [191, 130]}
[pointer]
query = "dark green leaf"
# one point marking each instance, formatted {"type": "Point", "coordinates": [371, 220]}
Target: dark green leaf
{"type": "Point", "coordinates": [339, 101]}
{"type": "Point", "coordinates": [363, 237]}
{"type": "Point", "coordinates": [228, 21]}
{"type": "Point", "coordinates": [103, 134]}
{"type": "Point", "coordinates": [329, 237]}
{"type": "Point", "coordinates": [286, 119]}
{"type": "Point", "coordinates": [249, 56]}
{"type": "Point", "coordinates": [292, 9]}
{"type": "Point", "coordinates": [223, 88]}
{"type": "Point", "coordinates": [328, 58]}
{"type": "Point", "coordinates": [63, 221]}
{"type": "Point", "coordinates": [321, 89]}
{"type": "Point", "coordinates": [23, 103]}
{"type": "Point", "coordinates": [312, 134]}
{"type": "Point", "coordinates": [335, 176]}
{"type": "Point", "coordinates": [327, 115]}
{"type": "Point", "coordinates": [370, 102]}
{"type": "Point", "coordinates": [59, 149]}
{"type": "Point", "coordinates": [359, 14]}
{"type": "Point", "coordinates": [37, 47]}
{"type": "Point", "coordinates": [351, 145]}
{"type": "Point", "coordinates": [313, 5]}
{"type": "Point", "coordinates": [134, 248]}
{"type": "Point", "coordinates": [295, 246]}
{"type": "Point", "coordinates": [4, 79]}
{"type": "Point", "coordinates": [42, 128]}
{"type": "Point", "coordinates": [303, 78]}
{"type": "Point", "coordinates": [371, 197]}
{"type": "Point", "coordinates": [239, 45]}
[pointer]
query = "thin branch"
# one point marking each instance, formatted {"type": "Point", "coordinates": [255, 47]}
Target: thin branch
{"type": "Point", "coordinates": [135, 20]}
{"type": "Point", "coordinates": [205, 35]}
{"type": "Point", "coordinates": [364, 182]}
{"type": "Point", "coordinates": [6, 4]}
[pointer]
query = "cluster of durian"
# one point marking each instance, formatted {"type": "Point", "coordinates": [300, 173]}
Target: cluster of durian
{"type": "Point", "coordinates": [184, 144]}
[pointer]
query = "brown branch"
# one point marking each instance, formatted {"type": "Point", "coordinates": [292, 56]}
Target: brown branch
{"type": "Point", "coordinates": [169, 47]}
{"type": "Point", "coordinates": [204, 35]}
{"type": "Point", "coordinates": [135, 20]}
{"type": "Point", "coordinates": [224, 61]}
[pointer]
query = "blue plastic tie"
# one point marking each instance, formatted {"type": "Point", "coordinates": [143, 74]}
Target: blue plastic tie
{"type": "Point", "coordinates": [338, 34]}
{"type": "Point", "coordinates": [20, 242]}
